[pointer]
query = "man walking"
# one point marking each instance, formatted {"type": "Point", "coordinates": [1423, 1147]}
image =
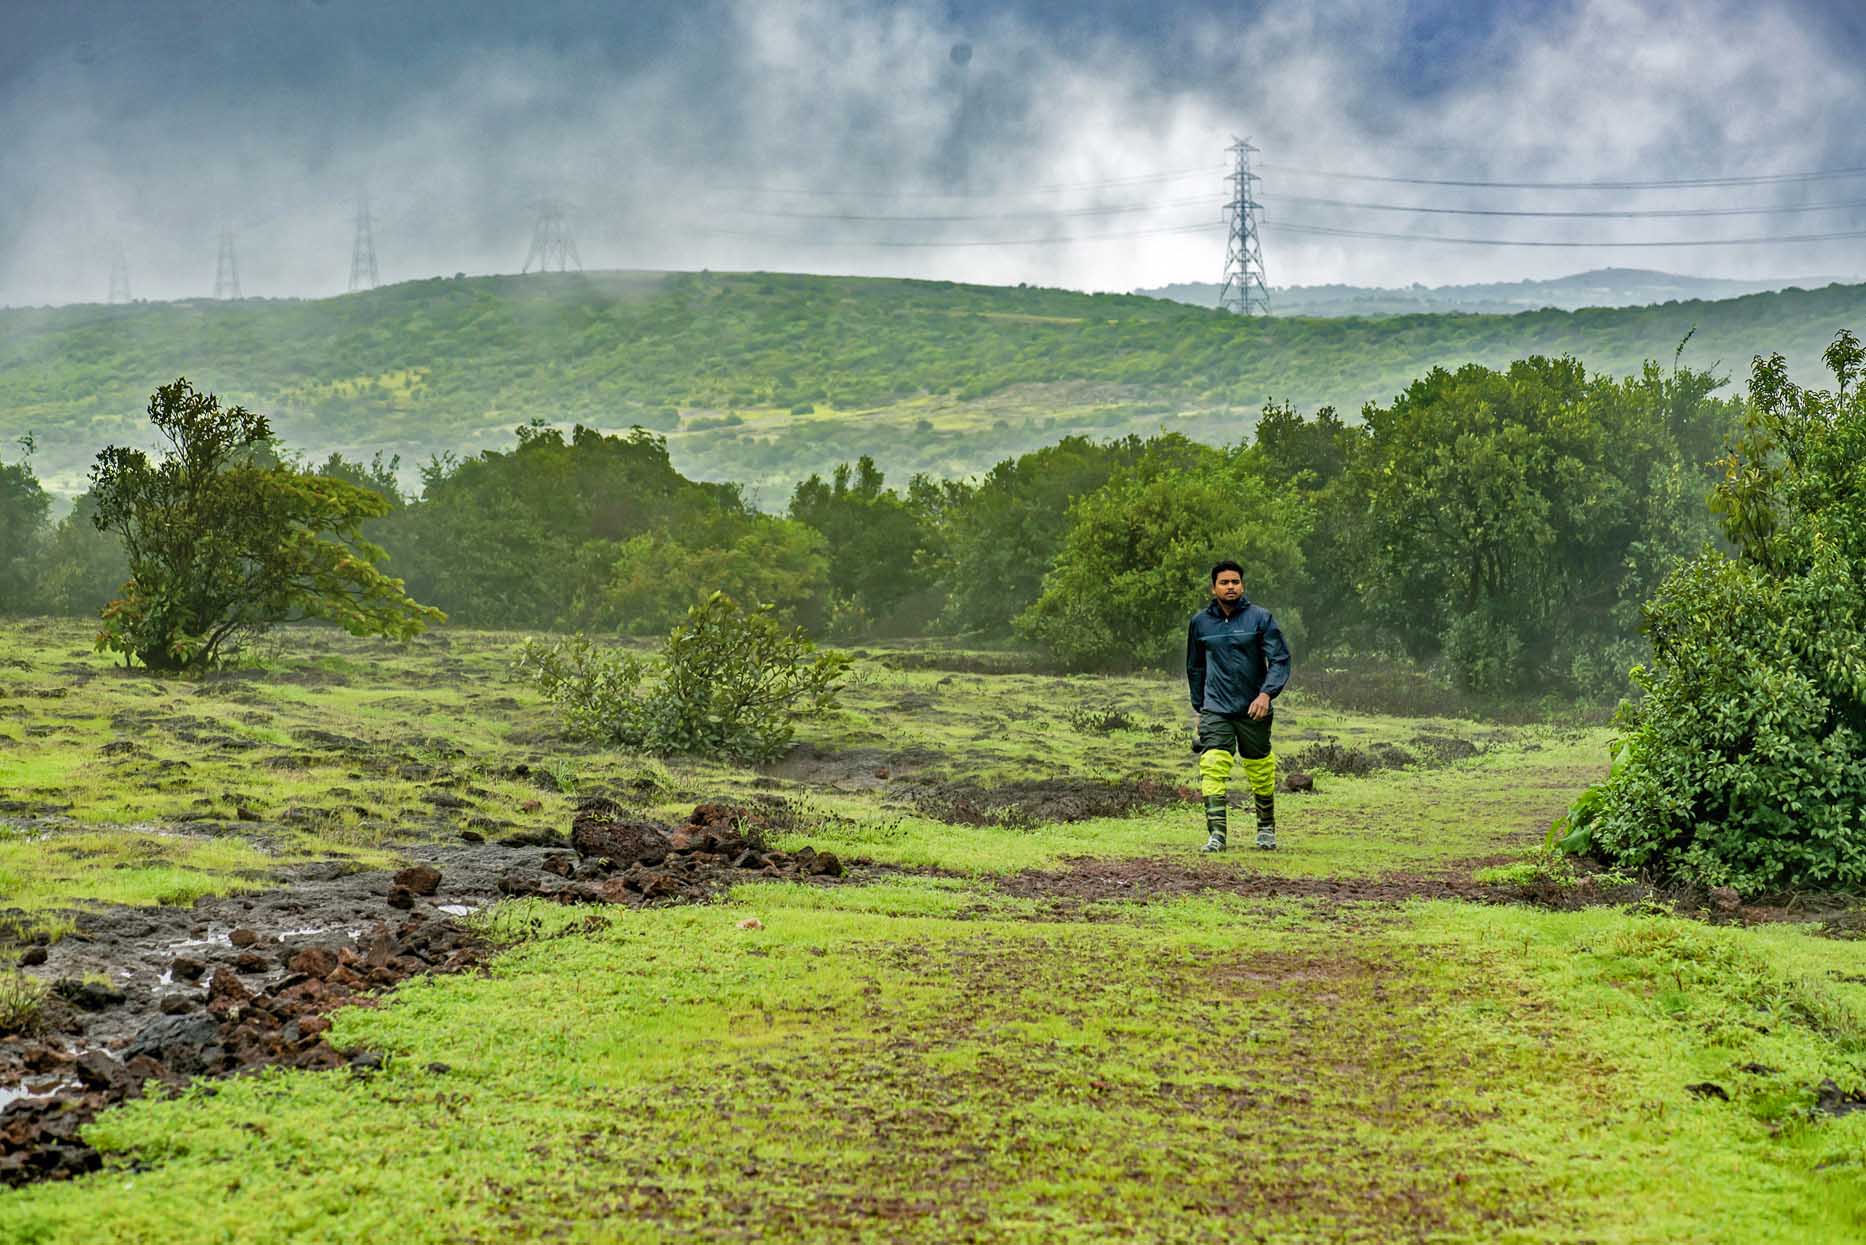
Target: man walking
{"type": "Point", "coordinates": [1236, 663]}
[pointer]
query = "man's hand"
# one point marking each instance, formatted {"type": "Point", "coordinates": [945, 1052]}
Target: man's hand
{"type": "Point", "coordinates": [1259, 708]}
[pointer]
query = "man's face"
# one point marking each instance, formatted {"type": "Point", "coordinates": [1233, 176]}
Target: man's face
{"type": "Point", "coordinates": [1228, 587]}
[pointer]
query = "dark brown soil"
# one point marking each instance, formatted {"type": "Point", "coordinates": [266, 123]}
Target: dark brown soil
{"type": "Point", "coordinates": [1092, 880]}
{"type": "Point", "coordinates": [243, 982]}
{"type": "Point", "coordinates": [1037, 801]}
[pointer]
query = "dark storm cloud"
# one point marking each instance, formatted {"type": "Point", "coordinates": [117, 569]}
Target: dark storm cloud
{"type": "Point", "coordinates": [666, 125]}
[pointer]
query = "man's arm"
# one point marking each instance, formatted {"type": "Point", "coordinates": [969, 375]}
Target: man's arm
{"type": "Point", "coordinates": [1195, 665]}
{"type": "Point", "coordinates": [1275, 659]}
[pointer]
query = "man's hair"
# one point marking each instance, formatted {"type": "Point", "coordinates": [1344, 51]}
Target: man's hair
{"type": "Point", "coordinates": [1226, 565]}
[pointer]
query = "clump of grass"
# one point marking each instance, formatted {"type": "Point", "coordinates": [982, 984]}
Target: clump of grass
{"type": "Point", "coordinates": [1705, 974]}
{"type": "Point", "coordinates": [22, 1000]}
{"type": "Point", "coordinates": [1102, 718]}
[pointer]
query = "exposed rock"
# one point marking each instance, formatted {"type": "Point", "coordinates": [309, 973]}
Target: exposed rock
{"type": "Point", "coordinates": [318, 962]}
{"type": "Point", "coordinates": [420, 879]}
{"type": "Point", "coordinates": [89, 996]}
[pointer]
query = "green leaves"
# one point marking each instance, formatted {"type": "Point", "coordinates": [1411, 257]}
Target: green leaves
{"type": "Point", "coordinates": [223, 540]}
{"type": "Point", "coordinates": [1745, 762]}
{"type": "Point", "coordinates": [731, 683]}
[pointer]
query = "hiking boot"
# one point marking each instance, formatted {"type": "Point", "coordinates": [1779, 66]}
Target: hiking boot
{"type": "Point", "coordinates": [1214, 824]}
{"type": "Point", "coordinates": [1266, 822]}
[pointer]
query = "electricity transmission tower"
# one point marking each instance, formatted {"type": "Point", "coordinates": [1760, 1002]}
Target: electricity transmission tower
{"type": "Point", "coordinates": [551, 243]}
{"type": "Point", "coordinates": [119, 276]}
{"type": "Point", "coordinates": [363, 249]}
{"type": "Point", "coordinates": [226, 267]}
{"type": "Point", "coordinates": [1244, 289]}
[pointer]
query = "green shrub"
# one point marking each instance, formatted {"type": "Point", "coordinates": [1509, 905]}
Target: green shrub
{"type": "Point", "coordinates": [730, 683]}
{"type": "Point", "coordinates": [1745, 762]}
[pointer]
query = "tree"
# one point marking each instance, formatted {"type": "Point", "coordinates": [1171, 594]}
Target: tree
{"type": "Point", "coordinates": [1513, 520]}
{"type": "Point", "coordinates": [81, 569]}
{"type": "Point", "coordinates": [876, 539]}
{"type": "Point", "coordinates": [1005, 535]}
{"type": "Point", "coordinates": [1136, 561]}
{"type": "Point", "coordinates": [224, 541]}
{"type": "Point", "coordinates": [655, 579]}
{"type": "Point", "coordinates": [1315, 458]}
{"type": "Point", "coordinates": [23, 507]}
{"type": "Point", "coordinates": [518, 536]}
{"type": "Point", "coordinates": [1744, 763]}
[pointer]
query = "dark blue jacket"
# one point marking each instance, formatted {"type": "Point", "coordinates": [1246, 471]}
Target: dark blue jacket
{"type": "Point", "coordinates": [1229, 660]}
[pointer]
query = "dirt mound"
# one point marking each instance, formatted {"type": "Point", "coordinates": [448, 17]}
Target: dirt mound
{"type": "Point", "coordinates": [1429, 749]}
{"type": "Point", "coordinates": [628, 861]}
{"type": "Point", "coordinates": [1037, 801]}
{"type": "Point", "coordinates": [1345, 759]}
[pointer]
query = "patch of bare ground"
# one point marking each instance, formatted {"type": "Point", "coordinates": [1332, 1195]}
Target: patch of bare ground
{"type": "Point", "coordinates": [1275, 1096]}
{"type": "Point", "coordinates": [1087, 880]}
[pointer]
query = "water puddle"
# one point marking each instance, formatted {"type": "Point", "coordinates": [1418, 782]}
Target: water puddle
{"type": "Point", "coordinates": [456, 909]}
{"type": "Point", "coordinates": [44, 1088]}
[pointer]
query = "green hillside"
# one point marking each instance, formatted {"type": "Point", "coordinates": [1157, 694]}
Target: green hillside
{"type": "Point", "coordinates": [765, 378]}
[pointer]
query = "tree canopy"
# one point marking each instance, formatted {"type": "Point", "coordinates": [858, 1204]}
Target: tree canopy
{"type": "Point", "coordinates": [224, 541]}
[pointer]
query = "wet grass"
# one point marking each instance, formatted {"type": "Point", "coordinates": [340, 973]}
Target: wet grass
{"type": "Point", "coordinates": [928, 1057]}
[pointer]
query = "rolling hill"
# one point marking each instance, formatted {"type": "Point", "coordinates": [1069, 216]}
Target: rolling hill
{"type": "Point", "coordinates": [1599, 287]}
{"type": "Point", "coordinates": [764, 378]}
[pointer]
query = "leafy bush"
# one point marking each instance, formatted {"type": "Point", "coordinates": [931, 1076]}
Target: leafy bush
{"type": "Point", "coordinates": [730, 683]}
{"type": "Point", "coordinates": [1745, 762]}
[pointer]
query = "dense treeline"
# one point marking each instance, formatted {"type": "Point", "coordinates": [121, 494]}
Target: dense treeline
{"type": "Point", "coordinates": [765, 378]}
{"type": "Point", "coordinates": [1504, 525]}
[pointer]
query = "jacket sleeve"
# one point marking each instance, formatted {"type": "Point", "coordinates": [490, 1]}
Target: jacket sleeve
{"type": "Point", "coordinates": [1276, 659]}
{"type": "Point", "coordinates": [1195, 664]}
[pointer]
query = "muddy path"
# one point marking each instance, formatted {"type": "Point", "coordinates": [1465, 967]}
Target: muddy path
{"type": "Point", "coordinates": [166, 995]}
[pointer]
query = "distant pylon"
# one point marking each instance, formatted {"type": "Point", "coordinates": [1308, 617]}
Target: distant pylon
{"type": "Point", "coordinates": [227, 267]}
{"type": "Point", "coordinates": [363, 249]}
{"type": "Point", "coordinates": [1244, 290]}
{"type": "Point", "coordinates": [551, 243]}
{"type": "Point", "coordinates": [119, 276]}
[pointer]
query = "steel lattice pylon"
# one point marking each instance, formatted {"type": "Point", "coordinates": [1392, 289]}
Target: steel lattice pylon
{"type": "Point", "coordinates": [1244, 289]}
{"type": "Point", "coordinates": [226, 267]}
{"type": "Point", "coordinates": [552, 247]}
{"type": "Point", "coordinates": [363, 249]}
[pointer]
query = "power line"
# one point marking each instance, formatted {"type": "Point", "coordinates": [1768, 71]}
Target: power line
{"type": "Point", "coordinates": [1060, 213]}
{"type": "Point", "coordinates": [1763, 240]}
{"type": "Point", "coordinates": [819, 192]}
{"type": "Point", "coordinates": [1677, 183]}
{"type": "Point", "coordinates": [1054, 240]}
{"type": "Point", "coordinates": [1599, 214]}
{"type": "Point", "coordinates": [1313, 201]}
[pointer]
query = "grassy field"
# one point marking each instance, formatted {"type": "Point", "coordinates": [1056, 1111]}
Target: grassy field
{"type": "Point", "coordinates": [1010, 1028]}
{"type": "Point", "coordinates": [763, 378]}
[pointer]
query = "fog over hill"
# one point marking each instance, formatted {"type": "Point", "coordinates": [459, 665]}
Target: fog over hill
{"type": "Point", "coordinates": [1601, 287]}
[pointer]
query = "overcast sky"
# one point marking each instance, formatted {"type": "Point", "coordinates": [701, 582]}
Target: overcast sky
{"type": "Point", "coordinates": [1062, 142]}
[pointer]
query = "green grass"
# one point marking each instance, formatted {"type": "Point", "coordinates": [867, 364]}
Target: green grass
{"type": "Point", "coordinates": [866, 1068]}
{"type": "Point", "coordinates": [924, 1056]}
